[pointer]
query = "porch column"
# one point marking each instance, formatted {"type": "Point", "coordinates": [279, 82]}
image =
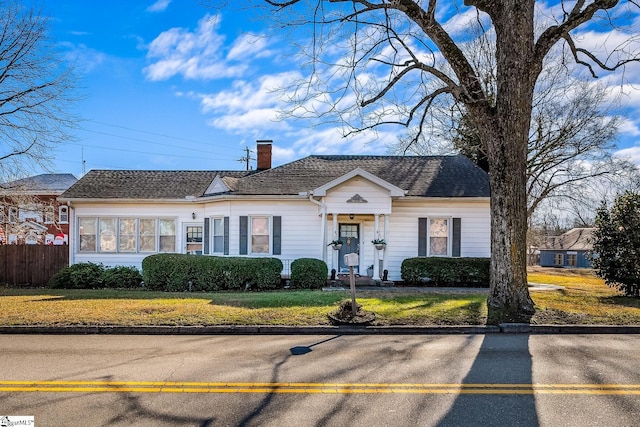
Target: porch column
{"type": "Point", "coordinates": [323, 236]}
{"type": "Point", "coordinates": [334, 234]}
{"type": "Point", "coordinates": [386, 239]}
{"type": "Point", "coordinates": [376, 252]}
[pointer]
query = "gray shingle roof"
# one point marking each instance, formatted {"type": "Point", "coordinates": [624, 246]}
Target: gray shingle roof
{"type": "Point", "coordinates": [426, 176]}
{"type": "Point", "coordinates": [134, 184]}
{"type": "Point", "coordinates": [47, 183]}
{"type": "Point", "coordinates": [576, 239]}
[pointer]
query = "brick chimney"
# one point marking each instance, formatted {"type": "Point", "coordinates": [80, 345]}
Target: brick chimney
{"type": "Point", "coordinates": [264, 154]}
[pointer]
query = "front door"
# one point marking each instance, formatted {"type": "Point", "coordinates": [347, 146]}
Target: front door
{"type": "Point", "coordinates": [350, 236]}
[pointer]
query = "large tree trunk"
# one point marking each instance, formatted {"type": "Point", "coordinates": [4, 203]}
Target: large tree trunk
{"type": "Point", "coordinates": [506, 138]}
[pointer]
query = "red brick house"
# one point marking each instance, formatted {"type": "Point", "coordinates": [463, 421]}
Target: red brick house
{"type": "Point", "coordinates": [30, 212]}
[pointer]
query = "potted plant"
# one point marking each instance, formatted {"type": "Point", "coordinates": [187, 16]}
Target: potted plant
{"type": "Point", "coordinates": [370, 271]}
{"type": "Point", "coordinates": [336, 244]}
{"type": "Point", "coordinates": [379, 244]}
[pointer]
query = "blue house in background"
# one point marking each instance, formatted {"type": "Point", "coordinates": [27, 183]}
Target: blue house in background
{"type": "Point", "coordinates": [570, 250]}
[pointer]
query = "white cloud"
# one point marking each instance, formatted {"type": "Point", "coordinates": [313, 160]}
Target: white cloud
{"type": "Point", "coordinates": [159, 6]}
{"type": "Point", "coordinates": [85, 58]}
{"type": "Point", "coordinates": [248, 95]}
{"type": "Point", "coordinates": [632, 154]}
{"type": "Point", "coordinates": [191, 54]}
{"type": "Point", "coordinates": [249, 45]}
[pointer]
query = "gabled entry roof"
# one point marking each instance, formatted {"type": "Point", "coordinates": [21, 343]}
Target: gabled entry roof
{"type": "Point", "coordinates": [393, 190]}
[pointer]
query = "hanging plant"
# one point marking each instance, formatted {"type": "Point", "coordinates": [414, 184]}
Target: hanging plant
{"type": "Point", "coordinates": [336, 244]}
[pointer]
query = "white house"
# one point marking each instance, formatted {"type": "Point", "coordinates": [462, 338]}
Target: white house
{"type": "Point", "coordinates": [419, 205]}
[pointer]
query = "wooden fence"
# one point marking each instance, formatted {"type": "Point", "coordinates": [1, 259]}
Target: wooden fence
{"type": "Point", "coordinates": [31, 264]}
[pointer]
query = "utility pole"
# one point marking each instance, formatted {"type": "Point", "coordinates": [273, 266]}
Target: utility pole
{"type": "Point", "coordinates": [247, 158]}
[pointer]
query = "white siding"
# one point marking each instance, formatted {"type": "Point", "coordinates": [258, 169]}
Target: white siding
{"type": "Point", "coordinates": [302, 224]}
{"type": "Point", "coordinates": [403, 229]}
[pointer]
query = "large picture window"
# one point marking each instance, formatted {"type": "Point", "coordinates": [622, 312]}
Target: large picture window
{"type": "Point", "coordinates": [260, 235]}
{"type": "Point", "coordinates": [126, 234]}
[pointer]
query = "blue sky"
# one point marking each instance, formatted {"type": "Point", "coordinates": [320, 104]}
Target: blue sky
{"type": "Point", "coordinates": [171, 84]}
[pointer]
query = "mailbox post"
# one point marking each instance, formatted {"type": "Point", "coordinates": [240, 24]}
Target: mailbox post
{"type": "Point", "coordinates": [351, 260]}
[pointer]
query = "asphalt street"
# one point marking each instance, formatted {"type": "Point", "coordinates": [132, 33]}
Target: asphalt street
{"type": "Point", "coordinates": [318, 380]}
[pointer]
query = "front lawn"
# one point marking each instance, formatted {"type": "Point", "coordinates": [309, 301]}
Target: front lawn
{"type": "Point", "coordinates": [585, 299]}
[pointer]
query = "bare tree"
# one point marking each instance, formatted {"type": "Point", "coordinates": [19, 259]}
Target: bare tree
{"type": "Point", "coordinates": [399, 59]}
{"type": "Point", "coordinates": [37, 88]}
{"type": "Point", "coordinates": [571, 139]}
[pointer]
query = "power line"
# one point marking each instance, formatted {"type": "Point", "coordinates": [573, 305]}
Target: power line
{"type": "Point", "coordinates": [158, 134]}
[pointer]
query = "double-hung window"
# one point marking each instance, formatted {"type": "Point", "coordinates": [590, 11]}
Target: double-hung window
{"type": "Point", "coordinates": [218, 235]}
{"type": "Point", "coordinates": [558, 259]}
{"type": "Point", "coordinates": [49, 215]}
{"type": "Point", "coordinates": [260, 235]}
{"type": "Point", "coordinates": [439, 237]}
{"type": "Point", "coordinates": [13, 214]}
{"type": "Point", "coordinates": [63, 214]}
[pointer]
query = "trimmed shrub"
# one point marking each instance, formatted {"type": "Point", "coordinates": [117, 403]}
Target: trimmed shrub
{"type": "Point", "coordinates": [465, 272]}
{"type": "Point", "coordinates": [309, 273]}
{"type": "Point", "coordinates": [181, 272]}
{"type": "Point", "coordinates": [121, 276]}
{"type": "Point", "coordinates": [85, 275]}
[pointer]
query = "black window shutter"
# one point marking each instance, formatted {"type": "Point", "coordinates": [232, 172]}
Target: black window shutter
{"type": "Point", "coordinates": [455, 247]}
{"type": "Point", "coordinates": [244, 229]}
{"type": "Point", "coordinates": [226, 235]}
{"type": "Point", "coordinates": [206, 240]}
{"type": "Point", "coordinates": [422, 236]}
{"type": "Point", "coordinates": [277, 235]}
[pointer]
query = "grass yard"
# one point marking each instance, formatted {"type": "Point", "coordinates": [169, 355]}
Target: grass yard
{"type": "Point", "coordinates": [585, 299]}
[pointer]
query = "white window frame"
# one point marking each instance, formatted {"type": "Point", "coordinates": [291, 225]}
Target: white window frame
{"type": "Point", "coordinates": [13, 215]}
{"type": "Point", "coordinates": [449, 220]}
{"type": "Point", "coordinates": [213, 235]}
{"type": "Point", "coordinates": [269, 235]}
{"type": "Point", "coordinates": [49, 215]}
{"type": "Point", "coordinates": [572, 259]}
{"type": "Point", "coordinates": [556, 256]}
{"type": "Point", "coordinates": [63, 214]}
{"type": "Point", "coordinates": [97, 247]}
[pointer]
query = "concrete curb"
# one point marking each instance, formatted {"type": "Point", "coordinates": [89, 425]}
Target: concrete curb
{"type": "Point", "coordinates": [508, 328]}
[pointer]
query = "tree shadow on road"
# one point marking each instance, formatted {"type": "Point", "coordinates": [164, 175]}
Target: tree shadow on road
{"type": "Point", "coordinates": [498, 361]}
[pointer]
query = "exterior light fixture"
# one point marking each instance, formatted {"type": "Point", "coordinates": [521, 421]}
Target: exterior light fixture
{"type": "Point", "coordinates": [193, 215]}
{"type": "Point", "coordinates": [351, 216]}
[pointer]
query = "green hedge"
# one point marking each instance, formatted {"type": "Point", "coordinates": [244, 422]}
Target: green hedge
{"type": "Point", "coordinates": [87, 275]}
{"type": "Point", "coordinates": [465, 272]}
{"type": "Point", "coordinates": [180, 272]}
{"type": "Point", "coordinates": [309, 273]}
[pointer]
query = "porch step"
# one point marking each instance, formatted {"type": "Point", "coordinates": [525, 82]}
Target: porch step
{"type": "Point", "coordinates": [362, 281]}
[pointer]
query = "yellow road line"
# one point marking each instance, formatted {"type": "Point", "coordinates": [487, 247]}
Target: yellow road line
{"type": "Point", "coordinates": [11, 386]}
